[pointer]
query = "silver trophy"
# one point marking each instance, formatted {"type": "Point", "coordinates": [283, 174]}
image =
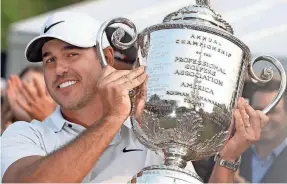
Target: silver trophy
{"type": "Point", "coordinates": [196, 71]}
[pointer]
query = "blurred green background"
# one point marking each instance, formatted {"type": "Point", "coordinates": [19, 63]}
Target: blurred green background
{"type": "Point", "coordinates": [16, 10]}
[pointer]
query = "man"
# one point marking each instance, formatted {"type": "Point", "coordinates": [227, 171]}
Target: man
{"type": "Point", "coordinates": [89, 137]}
{"type": "Point", "coordinates": [266, 160]}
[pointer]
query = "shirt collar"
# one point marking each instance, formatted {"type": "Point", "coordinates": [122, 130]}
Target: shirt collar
{"type": "Point", "coordinates": [280, 148]}
{"type": "Point", "coordinates": [56, 121]}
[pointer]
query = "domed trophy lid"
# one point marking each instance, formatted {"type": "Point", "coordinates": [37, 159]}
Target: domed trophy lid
{"type": "Point", "coordinates": [200, 11]}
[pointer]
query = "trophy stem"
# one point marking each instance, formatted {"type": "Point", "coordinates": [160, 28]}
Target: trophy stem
{"type": "Point", "coordinates": [174, 156]}
{"type": "Point", "coordinates": [175, 162]}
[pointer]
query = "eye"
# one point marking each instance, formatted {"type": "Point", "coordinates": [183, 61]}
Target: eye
{"type": "Point", "coordinates": [50, 60]}
{"type": "Point", "coordinates": [72, 54]}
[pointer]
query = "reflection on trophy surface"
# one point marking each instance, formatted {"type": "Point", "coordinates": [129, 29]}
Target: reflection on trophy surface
{"type": "Point", "coordinates": [196, 70]}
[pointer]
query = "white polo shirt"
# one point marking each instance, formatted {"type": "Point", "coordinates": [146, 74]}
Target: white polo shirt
{"type": "Point", "coordinates": [23, 139]}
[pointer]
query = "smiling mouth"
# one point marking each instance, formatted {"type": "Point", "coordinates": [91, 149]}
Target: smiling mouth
{"type": "Point", "coordinates": [66, 84]}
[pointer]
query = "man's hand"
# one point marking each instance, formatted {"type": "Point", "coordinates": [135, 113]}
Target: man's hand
{"type": "Point", "coordinates": [248, 124]}
{"type": "Point", "coordinates": [39, 104]}
{"type": "Point", "coordinates": [114, 87]}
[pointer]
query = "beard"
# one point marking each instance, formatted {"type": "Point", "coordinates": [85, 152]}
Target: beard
{"type": "Point", "coordinates": [76, 100]}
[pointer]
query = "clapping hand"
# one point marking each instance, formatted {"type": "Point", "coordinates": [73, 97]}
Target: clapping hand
{"type": "Point", "coordinates": [31, 104]}
{"type": "Point", "coordinates": [39, 103]}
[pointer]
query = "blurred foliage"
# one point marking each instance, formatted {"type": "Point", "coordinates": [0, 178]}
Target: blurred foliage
{"type": "Point", "coordinates": [16, 10]}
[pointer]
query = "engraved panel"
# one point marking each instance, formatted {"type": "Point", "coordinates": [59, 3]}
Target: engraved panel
{"type": "Point", "coordinates": [194, 80]}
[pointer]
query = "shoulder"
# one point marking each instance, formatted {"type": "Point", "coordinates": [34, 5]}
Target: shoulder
{"type": "Point", "coordinates": [19, 140]}
{"type": "Point", "coordinates": [25, 128]}
{"type": "Point", "coordinates": [27, 132]}
{"type": "Point", "coordinates": [19, 127]}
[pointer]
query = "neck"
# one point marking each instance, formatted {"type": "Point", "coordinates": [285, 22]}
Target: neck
{"type": "Point", "coordinates": [264, 149]}
{"type": "Point", "coordinates": [85, 116]}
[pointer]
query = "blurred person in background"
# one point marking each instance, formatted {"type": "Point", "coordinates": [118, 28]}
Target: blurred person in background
{"type": "Point", "coordinates": [26, 98]}
{"type": "Point", "coordinates": [266, 161]}
{"type": "Point", "coordinates": [263, 162]}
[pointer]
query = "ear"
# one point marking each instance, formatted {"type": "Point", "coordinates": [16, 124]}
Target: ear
{"type": "Point", "coordinates": [109, 55]}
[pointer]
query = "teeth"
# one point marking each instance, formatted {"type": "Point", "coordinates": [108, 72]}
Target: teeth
{"type": "Point", "coordinates": [66, 84]}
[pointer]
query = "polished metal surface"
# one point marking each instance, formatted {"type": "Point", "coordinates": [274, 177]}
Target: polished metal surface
{"type": "Point", "coordinates": [267, 75]}
{"type": "Point", "coordinates": [196, 70]}
{"type": "Point", "coordinates": [200, 12]}
{"type": "Point", "coordinates": [116, 37]}
{"type": "Point", "coordinates": [195, 75]}
{"type": "Point", "coordinates": [166, 174]}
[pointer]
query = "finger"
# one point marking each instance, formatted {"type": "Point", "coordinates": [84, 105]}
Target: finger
{"type": "Point", "coordinates": [239, 124]}
{"type": "Point", "coordinates": [254, 120]}
{"type": "Point", "coordinates": [39, 88]}
{"type": "Point", "coordinates": [18, 82]}
{"type": "Point", "coordinates": [11, 84]}
{"type": "Point", "coordinates": [11, 95]}
{"type": "Point", "coordinates": [129, 85]}
{"type": "Point", "coordinates": [245, 117]}
{"type": "Point", "coordinates": [264, 118]}
{"type": "Point", "coordinates": [29, 96]}
{"type": "Point", "coordinates": [106, 71]}
{"type": "Point", "coordinates": [23, 105]}
{"type": "Point", "coordinates": [113, 76]}
{"type": "Point", "coordinates": [131, 75]}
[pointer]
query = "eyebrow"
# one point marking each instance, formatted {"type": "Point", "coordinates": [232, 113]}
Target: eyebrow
{"type": "Point", "coordinates": [70, 47]}
{"type": "Point", "coordinates": [67, 47]}
{"type": "Point", "coordinates": [46, 54]}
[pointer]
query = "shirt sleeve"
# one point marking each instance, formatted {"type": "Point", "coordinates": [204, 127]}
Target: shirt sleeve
{"type": "Point", "coordinates": [19, 140]}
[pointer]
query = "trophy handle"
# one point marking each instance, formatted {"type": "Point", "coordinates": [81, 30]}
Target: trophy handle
{"type": "Point", "coordinates": [266, 76]}
{"type": "Point", "coordinates": [116, 37]}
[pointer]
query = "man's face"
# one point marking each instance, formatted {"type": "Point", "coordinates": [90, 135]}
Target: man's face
{"type": "Point", "coordinates": [71, 73]}
{"type": "Point", "coordinates": [277, 127]}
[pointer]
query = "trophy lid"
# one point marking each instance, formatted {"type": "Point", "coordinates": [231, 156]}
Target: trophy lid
{"type": "Point", "coordinates": [202, 11]}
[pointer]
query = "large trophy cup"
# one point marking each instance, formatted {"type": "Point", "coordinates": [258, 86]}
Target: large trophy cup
{"type": "Point", "coordinates": [196, 71]}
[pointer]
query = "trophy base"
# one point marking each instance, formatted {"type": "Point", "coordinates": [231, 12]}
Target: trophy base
{"type": "Point", "coordinates": [166, 174]}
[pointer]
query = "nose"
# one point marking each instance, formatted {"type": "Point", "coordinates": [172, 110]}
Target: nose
{"type": "Point", "coordinates": [62, 68]}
